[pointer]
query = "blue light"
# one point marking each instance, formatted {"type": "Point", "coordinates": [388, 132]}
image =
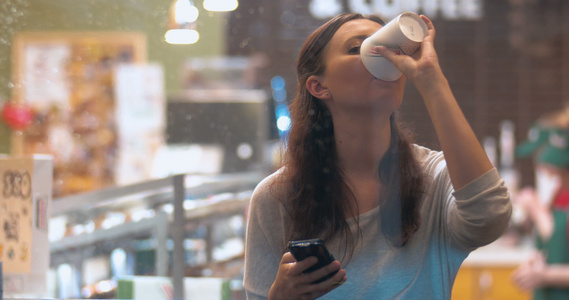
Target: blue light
{"type": "Point", "coordinates": [283, 118]}
{"type": "Point", "coordinates": [281, 110]}
{"type": "Point", "coordinates": [277, 83]}
{"type": "Point", "coordinates": [283, 123]}
{"type": "Point", "coordinates": [279, 95]}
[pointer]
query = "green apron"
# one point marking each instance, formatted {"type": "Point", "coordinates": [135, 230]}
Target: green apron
{"type": "Point", "coordinates": [556, 251]}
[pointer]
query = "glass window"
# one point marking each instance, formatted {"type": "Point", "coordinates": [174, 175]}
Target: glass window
{"type": "Point", "coordinates": [126, 95]}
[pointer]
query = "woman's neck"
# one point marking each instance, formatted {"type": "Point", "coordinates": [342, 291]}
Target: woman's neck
{"type": "Point", "coordinates": [361, 142]}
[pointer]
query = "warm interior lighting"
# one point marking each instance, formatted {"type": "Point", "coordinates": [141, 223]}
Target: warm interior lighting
{"type": "Point", "coordinates": [182, 23]}
{"type": "Point", "coordinates": [181, 36]}
{"type": "Point", "coordinates": [220, 5]}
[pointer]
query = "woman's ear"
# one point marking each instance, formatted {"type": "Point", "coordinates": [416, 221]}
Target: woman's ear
{"type": "Point", "coordinates": [316, 88]}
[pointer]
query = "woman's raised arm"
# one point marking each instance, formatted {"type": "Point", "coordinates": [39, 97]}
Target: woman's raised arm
{"type": "Point", "coordinates": [465, 157]}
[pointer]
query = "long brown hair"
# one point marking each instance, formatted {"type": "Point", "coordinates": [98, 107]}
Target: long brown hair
{"type": "Point", "coordinates": [321, 200]}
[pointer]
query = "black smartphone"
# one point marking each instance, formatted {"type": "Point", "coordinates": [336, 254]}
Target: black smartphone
{"type": "Point", "coordinates": [302, 249]}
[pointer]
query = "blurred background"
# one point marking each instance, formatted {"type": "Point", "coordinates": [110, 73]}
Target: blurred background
{"type": "Point", "coordinates": [123, 96]}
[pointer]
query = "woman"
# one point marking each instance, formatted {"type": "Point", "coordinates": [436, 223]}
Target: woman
{"type": "Point", "coordinates": [386, 208]}
{"type": "Point", "coordinates": [546, 273]}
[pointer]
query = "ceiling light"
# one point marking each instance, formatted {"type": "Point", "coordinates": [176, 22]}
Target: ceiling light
{"type": "Point", "coordinates": [220, 5]}
{"type": "Point", "coordinates": [182, 36]}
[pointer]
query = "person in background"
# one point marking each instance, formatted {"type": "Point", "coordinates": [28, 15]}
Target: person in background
{"type": "Point", "coordinates": [401, 218]}
{"type": "Point", "coordinates": [547, 272]}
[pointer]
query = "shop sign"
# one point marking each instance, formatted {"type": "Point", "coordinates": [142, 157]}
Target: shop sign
{"type": "Point", "coordinates": [388, 9]}
{"type": "Point", "coordinates": [16, 215]}
{"type": "Point", "coordinates": [26, 184]}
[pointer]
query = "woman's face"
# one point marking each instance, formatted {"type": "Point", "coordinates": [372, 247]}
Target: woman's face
{"type": "Point", "coordinates": [351, 86]}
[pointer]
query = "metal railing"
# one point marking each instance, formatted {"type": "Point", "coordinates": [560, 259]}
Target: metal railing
{"type": "Point", "coordinates": [171, 190]}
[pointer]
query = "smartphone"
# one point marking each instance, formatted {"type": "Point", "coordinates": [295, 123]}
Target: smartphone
{"type": "Point", "coordinates": [302, 249]}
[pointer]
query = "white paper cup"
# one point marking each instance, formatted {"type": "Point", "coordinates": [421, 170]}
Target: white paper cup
{"type": "Point", "coordinates": [405, 33]}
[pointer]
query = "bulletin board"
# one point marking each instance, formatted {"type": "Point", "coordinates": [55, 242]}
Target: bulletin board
{"type": "Point", "coordinates": [67, 78]}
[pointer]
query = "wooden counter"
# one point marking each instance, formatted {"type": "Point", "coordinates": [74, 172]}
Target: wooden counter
{"type": "Point", "coordinates": [486, 273]}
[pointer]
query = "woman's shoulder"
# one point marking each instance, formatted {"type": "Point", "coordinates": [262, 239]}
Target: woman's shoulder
{"type": "Point", "coordinates": [427, 156]}
{"type": "Point", "coordinates": [272, 189]}
{"type": "Point", "coordinates": [277, 180]}
{"type": "Point", "coordinates": [432, 163]}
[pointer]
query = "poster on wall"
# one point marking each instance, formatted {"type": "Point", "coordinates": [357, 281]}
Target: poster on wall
{"type": "Point", "coordinates": [140, 100]}
{"type": "Point", "coordinates": [16, 215]}
{"type": "Point", "coordinates": [47, 83]}
{"type": "Point", "coordinates": [140, 115]}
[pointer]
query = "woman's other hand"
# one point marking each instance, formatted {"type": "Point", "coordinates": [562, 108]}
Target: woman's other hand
{"type": "Point", "coordinates": [529, 275]}
{"type": "Point", "coordinates": [527, 199]}
{"type": "Point", "coordinates": [291, 283]}
{"type": "Point", "coordinates": [539, 214]}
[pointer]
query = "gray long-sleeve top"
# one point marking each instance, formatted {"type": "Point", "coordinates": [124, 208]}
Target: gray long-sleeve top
{"type": "Point", "coordinates": [453, 223]}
